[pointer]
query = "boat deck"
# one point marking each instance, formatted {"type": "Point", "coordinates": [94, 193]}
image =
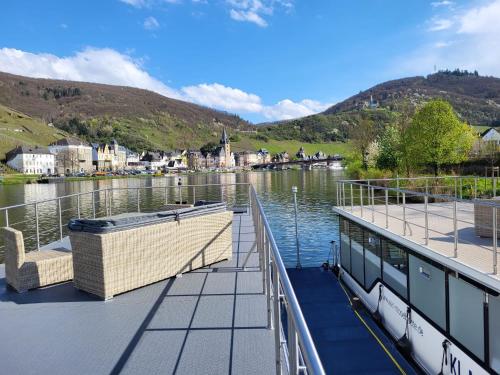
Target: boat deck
{"type": "Point", "coordinates": [209, 321]}
{"type": "Point", "coordinates": [472, 251]}
{"type": "Point", "coordinates": [345, 345]}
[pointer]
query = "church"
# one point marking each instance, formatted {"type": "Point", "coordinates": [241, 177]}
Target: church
{"type": "Point", "coordinates": [224, 158]}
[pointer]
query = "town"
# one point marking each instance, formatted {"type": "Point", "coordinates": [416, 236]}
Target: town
{"type": "Point", "coordinates": [74, 157]}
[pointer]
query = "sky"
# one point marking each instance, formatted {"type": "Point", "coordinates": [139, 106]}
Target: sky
{"type": "Point", "coordinates": [264, 60]}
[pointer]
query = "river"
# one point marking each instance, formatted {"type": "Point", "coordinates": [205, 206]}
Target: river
{"type": "Point", "coordinates": [316, 196]}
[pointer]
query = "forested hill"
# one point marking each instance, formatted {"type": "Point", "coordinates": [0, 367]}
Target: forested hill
{"type": "Point", "coordinates": [138, 118]}
{"type": "Point", "coordinates": [475, 98]}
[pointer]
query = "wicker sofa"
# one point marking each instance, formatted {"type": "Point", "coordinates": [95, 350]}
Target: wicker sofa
{"type": "Point", "coordinates": [483, 218]}
{"type": "Point", "coordinates": [119, 254]}
{"type": "Point", "coordinates": [35, 269]}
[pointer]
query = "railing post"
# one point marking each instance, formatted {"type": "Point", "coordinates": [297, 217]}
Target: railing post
{"type": "Point", "coordinates": [386, 208]}
{"type": "Point", "coordinates": [60, 218]}
{"type": "Point", "coordinates": [352, 199]}
{"type": "Point", "coordinates": [460, 186]}
{"type": "Point", "coordinates": [37, 228]}
{"type": "Point", "coordinates": [277, 318]}
{"type": "Point", "coordinates": [110, 201]}
{"type": "Point", "coordinates": [221, 193]}
{"type": "Point", "coordinates": [194, 194]}
{"type": "Point", "coordinates": [475, 187]}
{"type": "Point", "coordinates": [361, 199]}
{"type": "Point", "coordinates": [426, 203]}
{"type": "Point", "coordinates": [455, 230]}
{"type": "Point", "coordinates": [343, 195]}
{"type": "Point", "coordinates": [6, 218]}
{"type": "Point", "coordinates": [78, 205]}
{"type": "Point", "coordinates": [337, 194]}
{"type": "Point", "coordinates": [93, 204]}
{"type": "Point", "coordinates": [397, 191]}
{"type": "Point", "coordinates": [373, 204]}
{"type": "Point", "coordinates": [494, 187]}
{"type": "Point", "coordinates": [495, 234]}
{"type": "Point", "coordinates": [268, 287]}
{"type": "Point", "coordinates": [404, 214]}
{"type": "Point", "coordinates": [293, 353]}
{"type": "Point", "coordinates": [106, 202]}
{"type": "Point", "coordinates": [456, 196]}
{"type": "Point", "coordinates": [294, 191]}
{"type": "Point", "coordinates": [138, 200]}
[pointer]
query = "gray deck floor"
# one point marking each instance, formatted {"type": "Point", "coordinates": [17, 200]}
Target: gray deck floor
{"type": "Point", "coordinates": [210, 321]}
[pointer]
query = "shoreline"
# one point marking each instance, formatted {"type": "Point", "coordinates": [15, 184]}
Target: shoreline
{"type": "Point", "coordinates": [21, 179]}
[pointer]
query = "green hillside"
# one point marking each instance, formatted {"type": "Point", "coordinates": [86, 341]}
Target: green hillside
{"type": "Point", "coordinates": [18, 129]}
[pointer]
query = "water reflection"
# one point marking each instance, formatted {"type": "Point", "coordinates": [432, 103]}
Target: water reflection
{"type": "Point", "coordinates": [316, 195]}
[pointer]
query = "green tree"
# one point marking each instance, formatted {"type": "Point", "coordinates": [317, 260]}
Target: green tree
{"type": "Point", "coordinates": [436, 136]}
{"type": "Point", "coordinates": [389, 155]}
{"type": "Point", "coordinates": [208, 148]}
{"type": "Point", "coordinates": [363, 134]}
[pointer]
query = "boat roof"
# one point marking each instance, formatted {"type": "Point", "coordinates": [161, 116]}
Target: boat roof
{"type": "Point", "coordinates": [212, 320]}
{"type": "Point", "coordinates": [474, 256]}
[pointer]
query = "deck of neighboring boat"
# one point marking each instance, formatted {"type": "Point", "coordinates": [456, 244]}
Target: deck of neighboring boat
{"type": "Point", "coordinates": [472, 251]}
{"type": "Point", "coordinates": [345, 345]}
{"type": "Point", "coordinates": [210, 321]}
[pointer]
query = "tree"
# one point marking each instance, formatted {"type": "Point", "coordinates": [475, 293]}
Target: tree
{"type": "Point", "coordinates": [436, 136]}
{"type": "Point", "coordinates": [389, 151]}
{"type": "Point", "coordinates": [208, 148]}
{"type": "Point", "coordinates": [362, 136]}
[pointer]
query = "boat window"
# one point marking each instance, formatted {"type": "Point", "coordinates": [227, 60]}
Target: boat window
{"type": "Point", "coordinates": [467, 315]}
{"type": "Point", "coordinates": [372, 258]}
{"type": "Point", "coordinates": [494, 326]}
{"type": "Point", "coordinates": [395, 267]}
{"type": "Point", "coordinates": [357, 261]}
{"type": "Point", "coordinates": [345, 245]}
{"type": "Point", "coordinates": [425, 278]}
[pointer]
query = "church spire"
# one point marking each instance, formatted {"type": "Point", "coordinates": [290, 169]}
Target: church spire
{"type": "Point", "coordinates": [224, 140]}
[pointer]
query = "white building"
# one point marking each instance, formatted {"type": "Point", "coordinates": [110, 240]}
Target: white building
{"type": "Point", "coordinates": [31, 160]}
{"type": "Point", "coordinates": [491, 135]}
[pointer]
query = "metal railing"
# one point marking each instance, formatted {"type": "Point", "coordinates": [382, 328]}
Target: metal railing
{"type": "Point", "coordinates": [295, 350]}
{"type": "Point", "coordinates": [463, 223]}
{"type": "Point", "coordinates": [45, 221]}
{"type": "Point", "coordinates": [295, 339]}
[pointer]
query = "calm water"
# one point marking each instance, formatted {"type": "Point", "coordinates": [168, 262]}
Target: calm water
{"type": "Point", "coordinates": [316, 195]}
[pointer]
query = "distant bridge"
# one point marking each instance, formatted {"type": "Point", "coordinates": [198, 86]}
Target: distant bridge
{"type": "Point", "coordinates": [303, 162]}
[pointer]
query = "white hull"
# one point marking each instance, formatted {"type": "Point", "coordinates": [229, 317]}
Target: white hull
{"type": "Point", "coordinates": [426, 341]}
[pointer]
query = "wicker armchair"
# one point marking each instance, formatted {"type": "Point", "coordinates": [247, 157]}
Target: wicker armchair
{"type": "Point", "coordinates": [483, 218]}
{"type": "Point", "coordinates": [34, 269]}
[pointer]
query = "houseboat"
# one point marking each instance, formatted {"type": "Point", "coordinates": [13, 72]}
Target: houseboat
{"type": "Point", "coordinates": [423, 260]}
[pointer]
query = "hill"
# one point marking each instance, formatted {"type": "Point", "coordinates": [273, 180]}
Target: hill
{"type": "Point", "coordinates": [476, 100]}
{"type": "Point", "coordinates": [138, 118]}
{"type": "Point", "coordinates": [17, 128]}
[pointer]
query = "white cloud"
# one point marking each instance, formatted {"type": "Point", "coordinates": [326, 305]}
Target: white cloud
{"type": "Point", "coordinates": [440, 24]}
{"type": "Point", "coordinates": [112, 67]}
{"type": "Point", "coordinates": [254, 11]}
{"type": "Point", "coordinates": [249, 16]}
{"type": "Point", "coordinates": [151, 23]}
{"type": "Point", "coordinates": [443, 3]}
{"type": "Point", "coordinates": [482, 20]}
{"type": "Point", "coordinates": [287, 109]}
{"type": "Point", "coordinates": [136, 3]}
{"type": "Point", "coordinates": [471, 42]}
{"type": "Point", "coordinates": [223, 97]}
{"type": "Point", "coordinates": [90, 65]}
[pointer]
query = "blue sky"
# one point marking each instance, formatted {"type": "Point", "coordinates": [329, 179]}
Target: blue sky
{"type": "Point", "coordinates": [263, 59]}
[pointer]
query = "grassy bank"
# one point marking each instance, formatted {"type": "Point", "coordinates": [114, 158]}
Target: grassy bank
{"type": "Point", "coordinates": [18, 178]}
{"type": "Point", "coordinates": [291, 146]}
